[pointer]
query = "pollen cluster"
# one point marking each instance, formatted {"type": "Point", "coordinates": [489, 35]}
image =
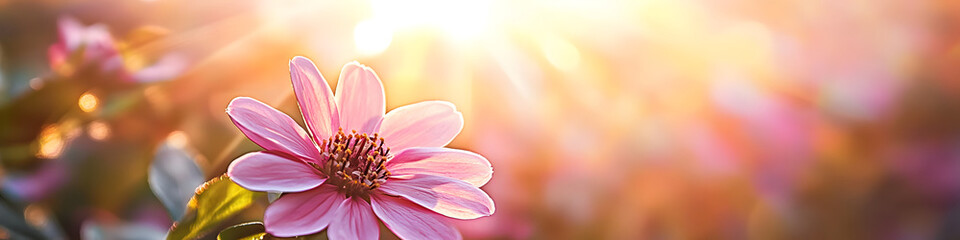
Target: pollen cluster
{"type": "Point", "coordinates": [355, 163]}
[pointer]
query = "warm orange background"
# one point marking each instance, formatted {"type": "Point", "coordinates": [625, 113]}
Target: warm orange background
{"type": "Point", "coordinates": [648, 119]}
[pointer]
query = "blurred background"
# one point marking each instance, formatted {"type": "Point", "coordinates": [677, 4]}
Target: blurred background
{"type": "Point", "coordinates": [603, 119]}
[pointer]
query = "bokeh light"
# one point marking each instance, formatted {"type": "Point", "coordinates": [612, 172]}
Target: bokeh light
{"type": "Point", "coordinates": [98, 130]}
{"type": "Point", "coordinates": [177, 139]}
{"type": "Point", "coordinates": [88, 102]}
{"type": "Point", "coordinates": [51, 142]}
{"type": "Point", "coordinates": [460, 19]}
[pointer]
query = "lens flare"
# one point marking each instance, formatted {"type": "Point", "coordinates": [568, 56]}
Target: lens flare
{"type": "Point", "coordinates": [460, 19]}
{"type": "Point", "coordinates": [371, 38]}
{"type": "Point", "coordinates": [560, 53]}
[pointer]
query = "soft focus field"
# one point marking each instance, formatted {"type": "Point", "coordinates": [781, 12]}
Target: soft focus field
{"type": "Point", "coordinates": [646, 119]}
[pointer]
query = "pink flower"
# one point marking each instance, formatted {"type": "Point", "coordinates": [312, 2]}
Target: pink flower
{"type": "Point", "coordinates": [94, 43]}
{"type": "Point", "coordinates": [355, 164]}
{"type": "Point", "coordinates": [81, 46]}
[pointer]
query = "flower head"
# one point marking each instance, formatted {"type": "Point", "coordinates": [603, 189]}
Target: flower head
{"type": "Point", "coordinates": [92, 46]}
{"type": "Point", "coordinates": [354, 164]}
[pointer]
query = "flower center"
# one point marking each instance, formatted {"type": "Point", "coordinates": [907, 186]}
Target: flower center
{"type": "Point", "coordinates": [355, 163]}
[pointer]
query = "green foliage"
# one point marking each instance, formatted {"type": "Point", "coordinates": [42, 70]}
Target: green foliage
{"type": "Point", "coordinates": [243, 231]}
{"type": "Point", "coordinates": [256, 231]}
{"type": "Point", "coordinates": [215, 201]}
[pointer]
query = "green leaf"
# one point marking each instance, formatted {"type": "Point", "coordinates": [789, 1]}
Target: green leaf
{"type": "Point", "coordinates": [256, 231]}
{"type": "Point", "coordinates": [243, 231]}
{"type": "Point", "coordinates": [215, 201]}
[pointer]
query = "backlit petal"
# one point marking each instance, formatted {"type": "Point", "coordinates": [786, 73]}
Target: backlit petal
{"type": "Point", "coordinates": [447, 196]}
{"type": "Point", "coordinates": [423, 124]}
{"type": "Point", "coordinates": [258, 171]}
{"type": "Point", "coordinates": [355, 220]}
{"type": "Point", "coordinates": [457, 164]}
{"type": "Point", "coordinates": [270, 128]}
{"type": "Point", "coordinates": [411, 221]}
{"type": "Point", "coordinates": [296, 214]}
{"type": "Point", "coordinates": [315, 98]}
{"type": "Point", "coordinates": [360, 99]}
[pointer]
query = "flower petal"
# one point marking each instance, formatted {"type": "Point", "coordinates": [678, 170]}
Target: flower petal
{"type": "Point", "coordinates": [447, 196]}
{"type": "Point", "coordinates": [411, 221]}
{"type": "Point", "coordinates": [316, 101]}
{"type": "Point", "coordinates": [167, 67]}
{"type": "Point", "coordinates": [57, 55]}
{"type": "Point", "coordinates": [423, 124]}
{"type": "Point", "coordinates": [70, 32]}
{"type": "Point", "coordinates": [258, 171]}
{"type": "Point", "coordinates": [98, 45]}
{"type": "Point", "coordinates": [270, 128]}
{"type": "Point", "coordinates": [355, 220]}
{"type": "Point", "coordinates": [296, 214]}
{"type": "Point", "coordinates": [360, 99]}
{"type": "Point", "coordinates": [452, 163]}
